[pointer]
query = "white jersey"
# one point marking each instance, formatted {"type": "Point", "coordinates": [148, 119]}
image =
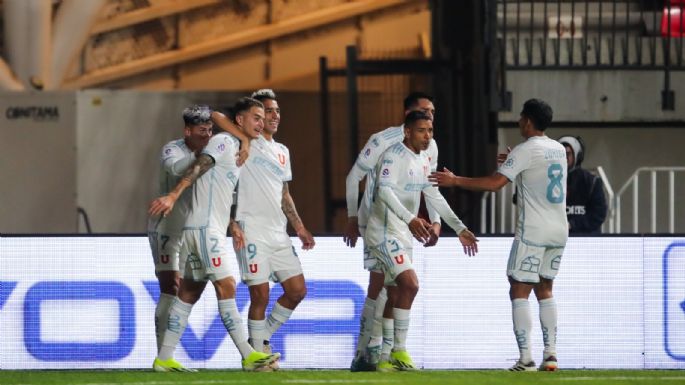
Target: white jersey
{"type": "Point", "coordinates": [402, 176]}
{"type": "Point", "coordinates": [365, 165]}
{"type": "Point", "coordinates": [174, 160]}
{"type": "Point", "coordinates": [212, 194]}
{"type": "Point", "coordinates": [260, 191]}
{"type": "Point", "coordinates": [539, 167]}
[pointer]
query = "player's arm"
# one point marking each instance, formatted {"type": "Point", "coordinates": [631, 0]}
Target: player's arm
{"type": "Point", "coordinates": [175, 161]}
{"type": "Point", "coordinates": [288, 207]}
{"type": "Point", "coordinates": [164, 205]}
{"type": "Point", "coordinates": [417, 226]}
{"type": "Point", "coordinates": [355, 176]}
{"type": "Point", "coordinates": [466, 237]}
{"type": "Point", "coordinates": [446, 178]}
{"type": "Point", "coordinates": [225, 124]}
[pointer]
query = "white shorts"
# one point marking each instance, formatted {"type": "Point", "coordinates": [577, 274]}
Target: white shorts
{"type": "Point", "coordinates": [393, 257]}
{"type": "Point", "coordinates": [261, 262]}
{"type": "Point", "coordinates": [206, 255]}
{"type": "Point", "coordinates": [370, 262]}
{"type": "Point", "coordinates": [166, 248]}
{"type": "Point", "coordinates": [528, 263]}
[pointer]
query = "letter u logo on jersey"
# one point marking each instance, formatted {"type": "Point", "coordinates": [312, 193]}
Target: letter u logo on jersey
{"type": "Point", "coordinates": [164, 258]}
{"type": "Point", "coordinates": [253, 268]}
{"type": "Point", "coordinates": [399, 259]}
{"type": "Point", "coordinates": [216, 262]}
{"type": "Point", "coordinates": [281, 159]}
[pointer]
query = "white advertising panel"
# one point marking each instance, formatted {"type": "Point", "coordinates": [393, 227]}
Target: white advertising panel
{"type": "Point", "coordinates": [88, 302]}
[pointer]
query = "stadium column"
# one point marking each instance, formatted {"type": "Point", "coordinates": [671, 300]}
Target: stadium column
{"type": "Point", "coordinates": [466, 52]}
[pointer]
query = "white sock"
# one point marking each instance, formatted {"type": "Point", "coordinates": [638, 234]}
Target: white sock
{"type": "Point", "coordinates": [520, 314]}
{"type": "Point", "coordinates": [175, 326]}
{"type": "Point", "coordinates": [279, 315]}
{"type": "Point", "coordinates": [548, 322]}
{"type": "Point", "coordinates": [257, 332]}
{"type": "Point", "coordinates": [401, 317]}
{"type": "Point", "coordinates": [161, 316]}
{"type": "Point", "coordinates": [365, 324]}
{"type": "Point", "coordinates": [376, 338]}
{"type": "Point", "coordinates": [234, 325]}
{"type": "Point", "coordinates": [388, 338]}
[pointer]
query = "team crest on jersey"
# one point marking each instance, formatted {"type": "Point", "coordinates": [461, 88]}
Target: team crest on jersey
{"type": "Point", "coordinates": [221, 147]}
{"type": "Point", "coordinates": [216, 261]}
{"type": "Point", "coordinates": [385, 172]}
{"type": "Point", "coordinates": [281, 159]}
{"type": "Point", "coordinates": [253, 268]}
{"type": "Point", "coordinates": [399, 259]}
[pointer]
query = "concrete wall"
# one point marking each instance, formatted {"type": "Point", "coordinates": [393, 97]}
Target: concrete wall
{"type": "Point", "coordinates": [38, 166]}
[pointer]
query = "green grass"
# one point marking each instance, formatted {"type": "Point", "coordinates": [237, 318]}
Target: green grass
{"type": "Point", "coordinates": [310, 377]}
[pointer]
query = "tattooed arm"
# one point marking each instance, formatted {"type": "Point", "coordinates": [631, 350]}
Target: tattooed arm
{"type": "Point", "coordinates": [288, 207]}
{"type": "Point", "coordinates": [164, 205]}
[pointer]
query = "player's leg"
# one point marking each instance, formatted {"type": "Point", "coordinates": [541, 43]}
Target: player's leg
{"type": "Point", "coordinates": [256, 316]}
{"type": "Point", "coordinates": [188, 294]}
{"type": "Point", "coordinates": [548, 307]}
{"type": "Point", "coordinates": [407, 288]}
{"type": "Point", "coordinates": [288, 271]}
{"type": "Point", "coordinates": [217, 270]}
{"type": "Point", "coordinates": [388, 332]}
{"type": "Point", "coordinates": [367, 321]}
{"type": "Point", "coordinates": [522, 270]}
{"type": "Point", "coordinates": [165, 254]}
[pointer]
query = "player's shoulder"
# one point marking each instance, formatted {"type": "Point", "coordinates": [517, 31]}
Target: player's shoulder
{"type": "Point", "coordinates": [387, 136]}
{"type": "Point", "coordinates": [282, 147]}
{"type": "Point", "coordinates": [174, 146]}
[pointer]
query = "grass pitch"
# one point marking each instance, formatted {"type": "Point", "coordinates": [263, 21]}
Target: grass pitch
{"type": "Point", "coordinates": [310, 377]}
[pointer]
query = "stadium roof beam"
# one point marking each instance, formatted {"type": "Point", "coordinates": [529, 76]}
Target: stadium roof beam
{"type": "Point", "coordinates": [229, 42]}
{"type": "Point", "coordinates": [149, 13]}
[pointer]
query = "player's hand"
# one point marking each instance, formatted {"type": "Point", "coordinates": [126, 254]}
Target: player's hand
{"type": "Point", "coordinates": [243, 153]}
{"type": "Point", "coordinates": [502, 157]}
{"type": "Point", "coordinates": [306, 238]}
{"type": "Point", "coordinates": [420, 229]}
{"type": "Point", "coordinates": [237, 235]}
{"type": "Point", "coordinates": [469, 241]}
{"type": "Point", "coordinates": [435, 234]}
{"type": "Point", "coordinates": [351, 232]}
{"type": "Point", "coordinates": [161, 206]}
{"type": "Point", "coordinates": [444, 178]}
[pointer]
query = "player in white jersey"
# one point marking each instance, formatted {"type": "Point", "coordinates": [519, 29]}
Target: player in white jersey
{"type": "Point", "coordinates": [165, 233]}
{"type": "Point", "coordinates": [376, 318]}
{"type": "Point", "coordinates": [538, 166]}
{"type": "Point", "coordinates": [402, 175]}
{"type": "Point", "coordinates": [263, 246]}
{"type": "Point", "coordinates": [213, 177]}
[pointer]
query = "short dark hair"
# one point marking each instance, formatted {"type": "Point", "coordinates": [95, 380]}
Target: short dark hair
{"type": "Point", "coordinates": [414, 117]}
{"type": "Point", "coordinates": [413, 99]}
{"type": "Point", "coordinates": [197, 114]}
{"type": "Point", "coordinates": [264, 94]}
{"type": "Point", "coordinates": [245, 104]}
{"type": "Point", "coordinates": [539, 112]}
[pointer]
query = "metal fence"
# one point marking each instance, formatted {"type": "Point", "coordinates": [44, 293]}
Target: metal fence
{"type": "Point", "coordinates": [593, 35]}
